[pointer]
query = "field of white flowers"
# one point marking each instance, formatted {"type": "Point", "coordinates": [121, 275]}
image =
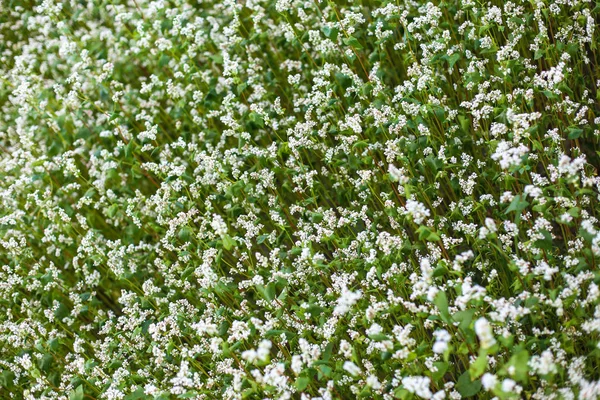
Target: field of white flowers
{"type": "Point", "coordinates": [313, 200]}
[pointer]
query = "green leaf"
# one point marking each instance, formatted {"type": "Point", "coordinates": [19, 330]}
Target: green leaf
{"type": "Point", "coordinates": [260, 239]}
{"type": "Point", "coordinates": [164, 60]}
{"type": "Point", "coordinates": [241, 87]}
{"type": "Point", "coordinates": [188, 395]}
{"type": "Point", "coordinates": [402, 393]}
{"type": "Point", "coordinates": [539, 53]}
{"type": "Point", "coordinates": [327, 353]}
{"type": "Point", "coordinates": [330, 33]}
{"type": "Point", "coordinates": [267, 292]}
{"type": "Point", "coordinates": [442, 367]}
{"type": "Point", "coordinates": [440, 270]}
{"type": "Point", "coordinates": [464, 318]}
{"type": "Point", "coordinates": [138, 394]}
{"type": "Point", "coordinates": [467, 387]}
{"type": "Point", "coordinates": [228, 242]}
{"type": "Point", "coordinates": [46, 362]}
{"type": "Point", "coordinates": [549, 94]}
{"type": "Point", "coordinates": [270, 292]}
{"type": "Point", "coordinates": [7, 379]}
{"type": "Point", "coordinates": [426, 234]}
{"type": "Point", "coordinates": [433, 237]}
{"type": "Point", "coordinates": [324, 370]}
{"type": "Point", "coordinates": [546, 243]}
{"type": "Point", "coordinates": [185, 233]}
{"type": "Point", "coordinates": [423, 232]}
{"type": "Point", "coordinates": [453, 59]}
{"type": "Point", "coordinates": [519, 361]}
{"type": "Point", "coordinates": [575, 133]}
{"type": "Point", "coordinates": [278, 332]}
{"type": "Point", "coordinates": [477, 368]}
{"type": "Point", "coordinates": [441, 302]}
{"type": "Point", "coordinates": [77, 394]}
{"type": "Point", "coordinates": [379, 337]}
{"type": "Point", "coordinates": [129, 149]}
{"type": "Point", "coordinates": [53, 344]}
{"type": "Point", "coordinates": [257, 119]}
{"type": "Point", "coordinates": [302, 382]}
{"type": "Point", "coordinates": [316, 217]}
{"type": "Point", "coordinates": [518, 204]}
{"type": "Point", "coordinates": [352, 42]}
{"type": "Point", "coordinates": [112, 210]}
{"type": "Point", "coordinates": [187, 272]}
{"type": "Point", "coordinates": [217, 58]}
{"type": "Point", "coordinates": [361, 144]}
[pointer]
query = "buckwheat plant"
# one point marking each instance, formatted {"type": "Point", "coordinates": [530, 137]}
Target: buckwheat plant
{"type": "Point", "coordinates": [314, 200]}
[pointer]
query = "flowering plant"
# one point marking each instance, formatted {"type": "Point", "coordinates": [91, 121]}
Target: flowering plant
{"type": "Point", "coordinates": [299, 199]}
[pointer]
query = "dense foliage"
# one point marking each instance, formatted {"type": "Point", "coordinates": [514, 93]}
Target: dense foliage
{"type": "Point", "coordinates": [299, 199]}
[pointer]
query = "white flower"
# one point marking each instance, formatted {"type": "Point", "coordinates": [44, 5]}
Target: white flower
{"type": "Point", "coordinates": [219, 225]}
{"type": "Point", "coordinates": [442, 338]}
{"type": "Point", "coordinates": [508, 385]}
{"type": "Point", "coordinates": [249, 355]}
{"type": "Point", "coordinates": [484, 333]}
{"type": "Point", "coordinates": [565, 218]}
{"type": "Point", "coordinates": [418, 385]}
{"type": "Point", "coordinates": [508, 155]}
{"type": "Point", "coordinates": [373, 382]}
{"type": "Point", "coordinates": [283, 5]}
{"type": "Point", "coordinates": [397, 175]}
{"type": "Point", "coordinates": [543, 364]}
{"type": "Point", "coordinates": [346, 301]}
{"type": "Point", "coordinates": [351, 368]}
{"type": "Point", "coordinates": [374, 329]}
{"type": "Point", "coordinates": [417, 211]}
{"type": "Point", "coordinates": [297, 364]}
{"type": "Point", "coordinates": [264, 348]}
{"type": "Point", "coordinates": [489, 381]}
{"type": "Point", "coordinates": [439, 395]}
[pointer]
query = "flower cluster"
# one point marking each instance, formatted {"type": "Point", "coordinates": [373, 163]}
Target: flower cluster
{"type": "Point", "coordinates": [289, 199]}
